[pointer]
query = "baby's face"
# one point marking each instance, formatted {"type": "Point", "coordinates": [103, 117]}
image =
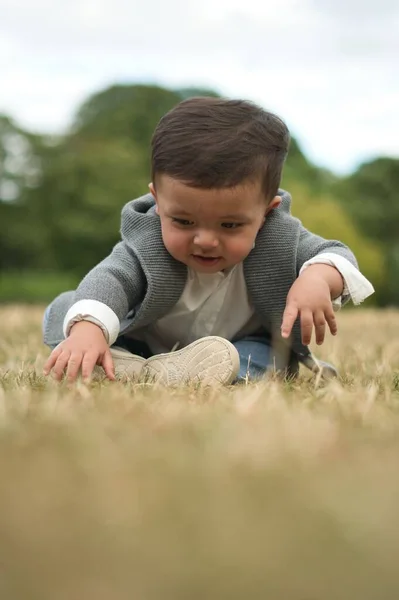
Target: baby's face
{"type": "Point", "coordinates": [210, 230]}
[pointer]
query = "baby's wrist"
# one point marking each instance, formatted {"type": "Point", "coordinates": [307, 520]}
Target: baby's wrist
{"type": "Point", "coordinates": [329, 274]}
{"type": "Point", "coordinates": [81, 325]}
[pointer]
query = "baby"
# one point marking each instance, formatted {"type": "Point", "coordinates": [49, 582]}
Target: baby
{"type": "Point", "coordinates": [213, 280]}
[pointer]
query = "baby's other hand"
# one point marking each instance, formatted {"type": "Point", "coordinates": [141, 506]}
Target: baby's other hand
{"type": "Point", "coordinates": [84, 348]}
{"type": "Point", "coordinates": [310, 299]}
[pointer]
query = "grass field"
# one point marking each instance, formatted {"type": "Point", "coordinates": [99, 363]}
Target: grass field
{"type": "Point", "coordinates": [270, 491]}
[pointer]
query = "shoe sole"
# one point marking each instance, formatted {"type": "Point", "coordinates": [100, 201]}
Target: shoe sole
{"type": "Point", "coordinates": [210, 361]}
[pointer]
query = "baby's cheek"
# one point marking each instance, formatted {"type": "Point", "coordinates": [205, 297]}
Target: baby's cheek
{"type": "Point", "coordinates": [240, 248]}
{"type": "Point", "coordinates": [168, 240]}
{"type": "Point", "coordinates": [175, 242]}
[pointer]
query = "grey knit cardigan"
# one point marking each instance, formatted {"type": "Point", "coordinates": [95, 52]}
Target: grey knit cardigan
{"type": "Point", "coordinates": [141, 282]}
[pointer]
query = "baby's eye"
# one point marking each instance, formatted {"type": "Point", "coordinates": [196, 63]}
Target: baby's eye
{"type": "Point", "coordinates": [182, 222]}
{"type": "Point", "coordinates": [232, 225]}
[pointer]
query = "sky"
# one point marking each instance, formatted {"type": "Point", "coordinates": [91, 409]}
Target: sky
{"type": "Point", "coordinates": [329, 68]}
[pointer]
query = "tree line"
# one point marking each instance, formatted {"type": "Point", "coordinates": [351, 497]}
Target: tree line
{"type": "Point", "coordinates": [61, 196]}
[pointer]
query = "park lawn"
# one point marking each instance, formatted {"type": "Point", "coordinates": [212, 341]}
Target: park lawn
{"type": "Point", "coordinates": [113, 491]}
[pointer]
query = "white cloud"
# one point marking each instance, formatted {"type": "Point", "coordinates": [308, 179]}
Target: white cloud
{"type": "Point", "coordinates": [328, 67]}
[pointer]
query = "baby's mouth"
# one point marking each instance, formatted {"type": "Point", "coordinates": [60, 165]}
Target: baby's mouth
{"type": "Point", "coordinates": [206, 259]}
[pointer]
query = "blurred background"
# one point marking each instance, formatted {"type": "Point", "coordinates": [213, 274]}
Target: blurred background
{"type": "Point", "coordinates": [84, 83]}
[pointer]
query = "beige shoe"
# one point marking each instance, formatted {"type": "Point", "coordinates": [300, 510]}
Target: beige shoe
{"type": "Point", "coordinates": [209, 361]}
{"type": "Point", "coordinates": [126, 364]}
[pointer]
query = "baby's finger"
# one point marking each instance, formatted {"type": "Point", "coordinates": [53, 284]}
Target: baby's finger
{"type": "Point", "coordinates": [306, 326]}
{"type": "Point", "coordinates": [74, 363]}
{"type": "Point", "coordinates": [52, 359]}
{"type": "Point", "coordinates": [108, 365]}
{"type": "Point", "coordinates": [320, 326]}
{"type": "Point", "coordinates": [88, 364]}
{"type": "Point", "coordinates": [59, 367]}
{"type": "Point", "coordinates": [332, 322]}
{"type": "Point", "coordinates": [289, 317]}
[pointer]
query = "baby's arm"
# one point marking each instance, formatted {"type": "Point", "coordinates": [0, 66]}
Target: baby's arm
{"type": "Point", "coordinates": [104, 297]}
{"type": "Point", "coordinates": [118, 282]}
{"type": "Point", "coordinates": [328, 276]}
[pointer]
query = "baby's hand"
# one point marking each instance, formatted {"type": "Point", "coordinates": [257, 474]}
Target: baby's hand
{"type": "Point", "coordinates": [85, 347]}
{"type": "Point", "coordinates": [310, 299]}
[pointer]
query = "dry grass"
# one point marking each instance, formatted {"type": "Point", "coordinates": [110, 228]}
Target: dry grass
{"type": "Point", "coordinates": [277, 491]}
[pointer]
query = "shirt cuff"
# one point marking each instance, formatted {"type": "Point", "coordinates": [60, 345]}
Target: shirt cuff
{"type": "Point", "coordinates": [95, 312]}
{"type": "Point", "coordinates": [356, 286]}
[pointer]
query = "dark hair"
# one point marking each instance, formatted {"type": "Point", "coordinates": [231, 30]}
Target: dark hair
{"type": "Point", "coordinates": [217, 143]}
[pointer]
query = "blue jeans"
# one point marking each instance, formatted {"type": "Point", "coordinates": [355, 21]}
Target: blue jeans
{"type": "Point", "coordinates": [255, 352]}
{"type": "Point", "coordinates": [255, 357]}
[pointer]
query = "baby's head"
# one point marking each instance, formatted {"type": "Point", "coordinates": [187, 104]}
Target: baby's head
{"type": "Point", "coordinates": [216, 170]}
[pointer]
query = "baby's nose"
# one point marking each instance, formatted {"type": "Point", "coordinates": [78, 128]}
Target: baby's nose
{"type": "Point", "coordinates": [205, 239]}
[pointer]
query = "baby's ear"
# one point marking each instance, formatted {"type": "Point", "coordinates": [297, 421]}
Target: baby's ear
{"type": "Point", "coordinates": [153, 192]}
{"type": "Point", "coordinates": [274, 203]}
{"type": "Point", "coordinates": [152, 189]}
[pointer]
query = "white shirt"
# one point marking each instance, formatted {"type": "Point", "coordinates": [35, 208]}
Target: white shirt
{"type": "Point", "coordinates": [211, 304]}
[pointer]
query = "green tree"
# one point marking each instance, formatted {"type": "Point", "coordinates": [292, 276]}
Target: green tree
{"type": "Point", "coordinates": [322, 214]}
{"type": "Point", "coordinates": [125, 111]}
{"type": "Point", "coordinates": [21, 238]}
{"type": "Point", "coordinates": [19, 159]}
{"type": "Point", "coordinates": [84, 185]}
{"type": "Point", "coordinates": [371, 197]}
